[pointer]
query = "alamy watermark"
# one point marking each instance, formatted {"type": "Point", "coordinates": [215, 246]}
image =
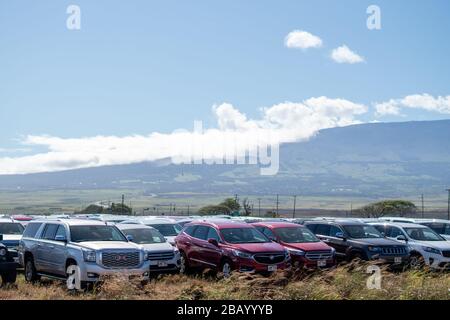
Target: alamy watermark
{"type": "Point", "coordinates": [73, 21]}
{"type": "Point", "coordinates": [374, 20]}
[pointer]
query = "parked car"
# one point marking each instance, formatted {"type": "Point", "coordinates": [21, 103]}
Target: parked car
{"type": "Point", "coordinates": [8, 266]}
{"type": "Point", "coordinates": [79, 249]}
{"type": "Point", "coordinates": [12, 233]}
{"type": "Point", "coordinates": [162, 255]}
{"type": "Point", "coordinates": [226, 245]}
{"type": "Point", "coordinates": [169, 228]}
{"type": "Point", "coordinates": [305, 248]}
{"type": "Point", "coordinates": [426, 246]}
{"type": "Point", "coordinates": [439, 226]}
{"type": "Point", "coordinates": [353, 239]}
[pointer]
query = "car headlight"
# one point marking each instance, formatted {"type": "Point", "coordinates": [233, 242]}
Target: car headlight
{"type": "Point", "coordinates": [2, 252]}
{"type": "Point", "coordinates": [432, 250]}
{"type": "Point", "coordinates": [296, 252]}
{"type": "Point", "coordinates": [241, 254]}
{"type": "Point", "coordinates": [374, 249]}
{"type": "Point", "coordinates": [145, 255]}
{"type": "Point", "coordinates": [89, 256]}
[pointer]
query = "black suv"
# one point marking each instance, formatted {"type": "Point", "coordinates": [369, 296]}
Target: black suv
{"type": "Point", "coordinates": [353, 239]}
{"type": "Point", "coordinates": [8, 267]}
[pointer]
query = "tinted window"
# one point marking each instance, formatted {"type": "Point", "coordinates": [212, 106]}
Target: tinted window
{"type": "Point", "coordinates": [381, 229]}
{"type": "Point", "coordinates": [190, 230]}
{"type": "Point", "coordinates": [296, 235]}
{"type": "Point", "coordinates": [61, 232]}
{"type": "Point", "coordinates": [96, 233]}
{"type": "Point", "coordinates": [423, 234]}
{"type": "Point", "coordinates": [362, 232]}
{"type": "Point", "coordinates": [323, 229]}
{"type": "Point", "coordinates": [145, 236]}
{"type": "Point", "coordinates": [393, 232]}
{"type": "Point", "coordinates": [31, 230]}
{"type": "Point", "coordinates": [312, 227]}
{"type": "Point", "coordinates": [11, 228]}
{"type": "Point", "coordinates": [201, 232]}
{"type": "Point", "coordinates": [50, 231]}
{"type": "Point", "coordinates": [334, 230]}
{"type": "Point", "coordinates": [167, 230]}
{"type": "Point", "coordinates": [212, 234]}
{"type": "Point", "coordinates": [441, 228]}
{"type": "Point", "coordinates": [268, 233]}
{"type": "Point", "coordinates": [243, 235]}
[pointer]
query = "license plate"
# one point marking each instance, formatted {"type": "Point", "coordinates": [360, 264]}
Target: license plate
{"type": "Point", "coordinates": [321, 263]}
{"type": "Point", "coordinates": [162, 264]}
{"type": "Point", "coordinates": [271, 268]}
{"type": "Point", "coordinates": [397, 260]}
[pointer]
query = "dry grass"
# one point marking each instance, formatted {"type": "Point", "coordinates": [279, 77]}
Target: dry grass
{"type": "Point", "coordinates": [344, 282]}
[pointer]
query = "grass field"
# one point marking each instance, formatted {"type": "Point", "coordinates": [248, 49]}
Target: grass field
{"type": "Point", "coordinates": [344, 282]}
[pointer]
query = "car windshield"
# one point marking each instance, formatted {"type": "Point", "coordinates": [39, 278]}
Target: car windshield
{"type": "Point", "coordinates": [362, 232]}
{"type": "Point", "coordinates": [440, 228]}
{"type": "Point", "coordinates": [167, 229]}
{"type": "Point", "coordinates": [95, 233]}
{"type": "Point", "coordinates": [145, 236]}
{"type": "Point", "coordinates": [295, 235]}
{"type": "Point", "coordinates": [11, 228]}
{"type": "Point", "coordinates": [423, 234]}
{"type": "Point", "coordinates": [243, 235]}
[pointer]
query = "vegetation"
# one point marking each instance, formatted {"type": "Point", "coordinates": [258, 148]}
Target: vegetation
{"type": "Point", "coordinates": [228, 206]}
{"type": "Point", "coordinates": [344, 282]}
{"type": "Point", "coordinates": [113, 209]}
{"type": "Point", "coordinates": [387, 208]}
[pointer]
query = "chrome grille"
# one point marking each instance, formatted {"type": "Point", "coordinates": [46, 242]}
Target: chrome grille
{"type": "Point", "coordinates": [121, 259]}
{"type": "Point", "coordinates": [319, 255]}
{"type": "Point", "coordinates": [394, 250]}
{"type": "Point", "coordinates": [164, 255]}
{"type": "Point", "coordinates": [269, 258]}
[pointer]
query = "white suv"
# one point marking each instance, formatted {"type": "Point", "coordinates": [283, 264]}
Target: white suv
{"type": "Point", "coordinates": [440, 226]}
{"type": "Point", "coordinates": [426, 245]}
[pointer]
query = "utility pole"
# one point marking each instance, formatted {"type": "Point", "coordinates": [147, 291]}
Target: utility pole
{"type": "Point", "coordinates": [423, 207]}
{"type": "Point", "coordinates": [259, 207]}
{"type": "Point", "coordinates": [351, 209]}
{"type": "Point", "coordinates": [188, 210]}
{"type": "Point", "coordinates": [448, 205]}
{"type": "Point", "coordinates": [123, 203]}
{"type": "Point", "coordinates": [295, 200]}
{"type": "Point", "coordinates": [278, 203]}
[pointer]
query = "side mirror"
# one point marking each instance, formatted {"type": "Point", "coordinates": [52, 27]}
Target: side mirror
{"type": "Point", "coordinates": [61, 238]}
{"type": "Point", "coordinates": [401, 238]}
{"type": "Point", "coordinates": [340, 235]}
{"type": "Point", "coordinates": [213, 242]}
{"type": "Point", "coordinates": [130, 238]}
{"type": "Point", "coordinates": [273, 239]}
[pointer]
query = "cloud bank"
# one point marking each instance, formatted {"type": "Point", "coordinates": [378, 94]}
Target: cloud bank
{"type": "Point", "coordinates": [281, 123]}
{"type": "Point", "coordinates": [427, 102]}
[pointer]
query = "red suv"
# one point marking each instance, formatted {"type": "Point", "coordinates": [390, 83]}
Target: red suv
{"type": "Point", "coordinates": [227, 245]}
{"type": "Point", "coordinates": [305, 248]}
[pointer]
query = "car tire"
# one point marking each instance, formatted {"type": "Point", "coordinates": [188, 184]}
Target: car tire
{"type": "Point", "coordinates": [226, 268]}
{"type": "Point", "coordinates": [9, 277]}
{"type": "Point", "coordinates": [30, 271]}
{"type": "Point", "coordinates": [184, 264]}
{"type": "Point", "coordinates": [416, 261]}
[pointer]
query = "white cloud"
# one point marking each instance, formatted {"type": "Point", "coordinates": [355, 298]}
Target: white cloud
{"type": "Point", "coordinates": [424, 101]}
{"type": "Point", "coordinates": [302, 40]}
{"type": "Point", "coordinates": [343, 54]}
{"type": "Point", "coordinates": [281, 123]}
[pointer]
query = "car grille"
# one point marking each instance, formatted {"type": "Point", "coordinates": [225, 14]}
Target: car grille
{"type": "Point", "coordinates": [119, 260]}
{"type": "Point", "coordinates": [165, 255]}
{"type": "Point", "coordinates": [319, 255]}
{"type": "Point", "coordinates": [269, 258]}
{"type": "Point", "coordinates": [446, 254]}
{"type": "Point", "coordinates": [393, 250]}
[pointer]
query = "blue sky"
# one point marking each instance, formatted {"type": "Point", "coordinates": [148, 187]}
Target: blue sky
{"type": "Point", "coordinates": [138, 67]}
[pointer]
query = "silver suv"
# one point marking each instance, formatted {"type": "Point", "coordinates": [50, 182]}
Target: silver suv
{"type": "Point", "coordinates": [79, 251]}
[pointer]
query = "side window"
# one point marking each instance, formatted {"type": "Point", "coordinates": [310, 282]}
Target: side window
{"type": "Point", "coordinates": [260, 229]}
{"type": "Point", "coordinates": [312, 227]}
{"type": "Point", "coordinates": [212, 234]}
{"type": "Point", "coordinates": [382, 230]}
{"type": "Point", "coordinates": [393, 232]}
{"type": "Point", "coordinates": [190, 230]}
{"type": "Point", "coordinates": [201, 232]}
{"type": "Point", "coordinates": [268, 233]}
{"type": "Point", "coordinates": [323, 229]}
{"type": "Point", "coordinates": [50, 231]}
{"type": "Point", "coordinates": [31, 230]}
{"type": "Point", "coordinates": [61, 231]}
{"type": "Point", "coordinates": [334, 230]}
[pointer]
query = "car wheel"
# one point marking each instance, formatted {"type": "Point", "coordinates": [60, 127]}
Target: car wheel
{"type": "Point", "coordinates": [416, 261]}
{"type": "Point", "coordinates": [184, 264]}
{"type": "Point", "coordinates": [226, 268]}
{"type": "Point", "coordinates": [30, 271]}
{"type": "Point", "coordinates": [9, 277]}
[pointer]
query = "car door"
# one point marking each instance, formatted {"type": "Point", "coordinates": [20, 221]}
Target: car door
{"type": "Point", "coordinates": [44, 251]}
{"type": "Point", "coordinates": [211, 252]}
{"type": "Point", "coordinates": [337, 242]}
{"type": "Point", "coordinates": [58, 258]}
{"type": "Point", "coordinates": [197, 247]}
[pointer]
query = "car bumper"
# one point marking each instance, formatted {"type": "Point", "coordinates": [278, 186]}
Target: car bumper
{"type": "Point", "coordinates": [248, 265]}
{"type": "Point", "coordinates": [436, 261]}
{"type": "Point", "coordinates": [301, 261]}
{"type": "Point", "coordinates": [165, 265]}
{"type": "Point", "coordinates": [93, 272]}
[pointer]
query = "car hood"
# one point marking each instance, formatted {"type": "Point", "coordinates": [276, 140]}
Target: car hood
{"type": "Point", "coordinates": [378, 242]}
{"type": "Point", "coordinates": [158, 246]}
{"type": "Point", "coordinates": [307, 246]}
{"type": "Point", "coordinates": [108, 245]}
{"type": "Point", "coordinates": [442, 245]}
{"type": "Point", "coordinates": [258, 247]}
{"type": "Point", "coordinates": [445, 236]}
